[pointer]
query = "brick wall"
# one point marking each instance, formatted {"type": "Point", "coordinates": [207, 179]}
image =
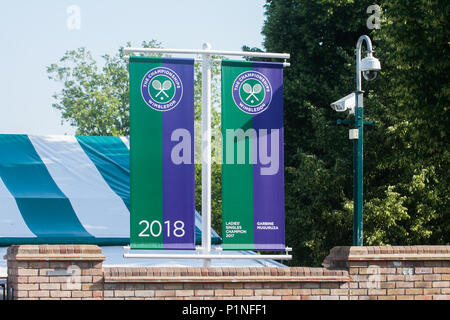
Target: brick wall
{"type": "Point", "coordinates": [348, 273]}
{"type": "Point", "coordinates": [395, 273]}
{"type": "Point", "coordinates": [224, 283]}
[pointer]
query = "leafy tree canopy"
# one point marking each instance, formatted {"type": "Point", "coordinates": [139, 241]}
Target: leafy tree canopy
{"type": "Point", "coordinates": [406, 155]}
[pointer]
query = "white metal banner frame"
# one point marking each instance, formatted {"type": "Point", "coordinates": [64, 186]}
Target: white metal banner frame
{"type": "Point", "coordinates": [206, 60]}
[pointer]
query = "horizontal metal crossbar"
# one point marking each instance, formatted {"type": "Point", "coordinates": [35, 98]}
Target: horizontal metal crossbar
{"type": "Point", "coordinates": [197, 255]}
{"type": "Point", "coordinates": [285, 64]}
{"type": "Point", "coordinates": [210, 52]}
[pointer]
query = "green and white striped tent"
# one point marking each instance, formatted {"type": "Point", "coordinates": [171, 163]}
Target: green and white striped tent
{"type": "Point", "coordinates": [66, 189]}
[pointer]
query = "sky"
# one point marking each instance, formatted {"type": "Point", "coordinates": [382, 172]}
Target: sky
{"type": "Point", "coordinates": [35, 34]}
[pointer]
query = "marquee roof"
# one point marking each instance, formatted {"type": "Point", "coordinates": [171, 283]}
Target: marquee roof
{"type": "Point", "coordinates": [66, 189]}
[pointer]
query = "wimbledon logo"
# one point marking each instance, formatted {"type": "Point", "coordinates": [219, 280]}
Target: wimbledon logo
{"type": "Point", "coordinates": [161, 89]}
{"type": "Point", "coordinates": [252, 92]}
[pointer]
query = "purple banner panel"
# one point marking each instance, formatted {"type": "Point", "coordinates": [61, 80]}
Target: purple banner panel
{"type": "Point", "coordinates": [178, 162]}
{"type": "Point", "coordinates": [268, 171]}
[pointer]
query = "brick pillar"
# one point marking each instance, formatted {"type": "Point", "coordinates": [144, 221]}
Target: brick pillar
{"type": "Point", "coordinates": [55, 272]}
{"type": "Point", "coordinates": [394, 272]}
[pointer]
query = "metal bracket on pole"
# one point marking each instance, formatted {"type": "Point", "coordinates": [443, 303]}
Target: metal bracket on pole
{"type": "Point", "coordinates": [341, 122]}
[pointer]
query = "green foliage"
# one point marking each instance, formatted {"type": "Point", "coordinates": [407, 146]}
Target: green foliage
{"type": "Point", "coordinates": [385, 217]}
{"type": "Point", "coordinates": [94, 99]}
{"type": "Point", "coordinates": [406, 154]}
{"type": "Point", "coordinates": [413, 42]}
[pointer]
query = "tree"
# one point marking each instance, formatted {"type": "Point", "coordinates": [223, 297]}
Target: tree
{"type": "Point", "coordinates": [94, 99]}
{"type": "Point", "coordinates": [415, 87]}
{"type": "Point", "coordinates": [406, 154]}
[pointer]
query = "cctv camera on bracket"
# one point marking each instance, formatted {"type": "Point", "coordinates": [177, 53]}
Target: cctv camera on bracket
{"type": "Point", "coordinates": [369, 67]}
{"type": "Point", "coordinates": [346, 103]}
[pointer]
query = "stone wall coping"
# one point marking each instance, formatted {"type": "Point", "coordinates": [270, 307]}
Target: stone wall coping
{"type": "Point", "coordinates": [223, 274]}
{"type": "Point", "coordinates": [54, 253]}
{"type": "Point", "coordinates": [223, 279]}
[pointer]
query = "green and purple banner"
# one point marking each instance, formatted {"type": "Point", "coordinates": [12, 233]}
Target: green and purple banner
{"type": "Point", "coordinates": [253, 161]}
{"type": "Point", "coordinates": [162, 173]}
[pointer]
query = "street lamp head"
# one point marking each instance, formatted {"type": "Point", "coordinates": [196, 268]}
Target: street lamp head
{"type": "Point", "coordinates": [370, 67]}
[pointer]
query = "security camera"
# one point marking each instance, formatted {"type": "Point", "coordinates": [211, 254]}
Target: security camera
{"type": "Point", "coordinates": [344, 104]}
{"type": "Point", "coordinates": [370, 67]}
{"type": "Point", "coordinates": [369, 75]}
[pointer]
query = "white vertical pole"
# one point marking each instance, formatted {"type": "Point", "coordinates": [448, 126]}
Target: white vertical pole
{"type": "Point", "coordinates": [206, 153]}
